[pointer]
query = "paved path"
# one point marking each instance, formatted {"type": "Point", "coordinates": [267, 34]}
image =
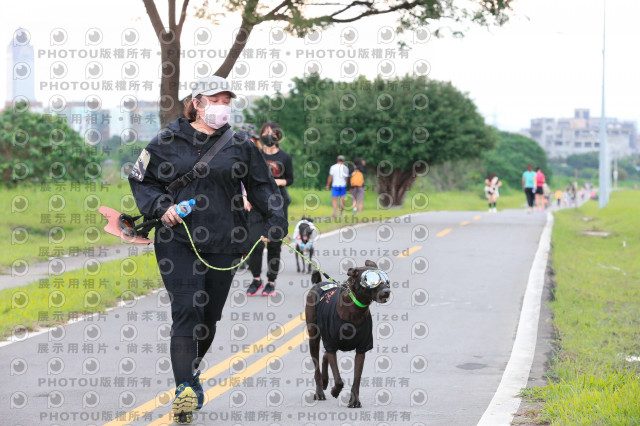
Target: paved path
{"type": "Point", "coordinates": [441, 343]}
{"type": "Point", "coordinates": [22, 274]}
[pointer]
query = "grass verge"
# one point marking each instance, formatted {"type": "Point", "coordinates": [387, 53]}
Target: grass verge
{"type": "Point", "coordinates": [597, 316]}
{"type": "Point", "coordinates": [56, 300]}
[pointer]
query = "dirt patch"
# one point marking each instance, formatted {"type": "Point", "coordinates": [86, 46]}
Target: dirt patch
{"type": "Point", "coordinates": [530, 415]}
{"type": "Point", "coordinates": [596, 233]}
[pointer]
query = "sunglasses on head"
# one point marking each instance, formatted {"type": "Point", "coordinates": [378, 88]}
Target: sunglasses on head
{"type": "Point", "coordinates": [372, 278]}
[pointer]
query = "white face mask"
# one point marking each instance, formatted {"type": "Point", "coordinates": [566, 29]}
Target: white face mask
{"type": "Point", "coordinates": [216, 116]}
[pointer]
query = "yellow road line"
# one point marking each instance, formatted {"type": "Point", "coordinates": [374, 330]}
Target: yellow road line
{"type": "Point", "coordinates": [408, 252]}
{"type": "Point", "coordinates": [466, 222]}
{"type": "Point", "coordinates": [206, 375]}
{"type": "Point", "coordinates": [476, 217]}
{"type": "Point", "coordinates": [443, 232]}
{"type": "Point", "coordinates": [238, 378]}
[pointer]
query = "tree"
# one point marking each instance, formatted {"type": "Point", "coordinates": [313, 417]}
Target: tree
{"type": "Point", "coordinates": [580, 161]}
{"type": "Point", "coordinates": [400, 127]}
{"type": "Point", "coordinates": [40, 148]}
{"type": "Point", "coordinates": [510, 158]}
{"type": "Point", "coordinates": [291, 111]}
{"type": "Point", "coordinates": [298, 14]}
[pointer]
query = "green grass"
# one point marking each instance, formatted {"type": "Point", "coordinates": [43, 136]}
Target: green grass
{"type": "Point", "coordinates": [596, 315]}
{"type": "Point", "coordinates": [57, 300]}
{"type": "Point", "coordinates": [77, 217]}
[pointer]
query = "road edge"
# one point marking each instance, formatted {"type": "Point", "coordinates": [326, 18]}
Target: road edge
{"type": "Point", "coordinates": [505, 401]}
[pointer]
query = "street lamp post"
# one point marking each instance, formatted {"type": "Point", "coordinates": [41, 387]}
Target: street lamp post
{"type": "Point", "coordinates": [603, 170]}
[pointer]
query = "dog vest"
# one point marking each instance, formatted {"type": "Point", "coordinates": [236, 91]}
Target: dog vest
{"type": "Point", "coordinates": [339, 335]}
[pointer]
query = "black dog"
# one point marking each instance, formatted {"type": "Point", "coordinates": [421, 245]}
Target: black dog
{"type": "Point", "coordinates": [343, 324]}
{"type": "Point", "coordinates": [304, 235]}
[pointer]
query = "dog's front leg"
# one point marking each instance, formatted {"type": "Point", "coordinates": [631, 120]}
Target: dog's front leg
{"type": "Point", "coordinates": [310, 258]}
{"type": "Point", "coordinates": [314, 351]}
{"type": "Point", "coordinates": [354, 401]}
{"type": "Point", "coordinates": [338, 384]}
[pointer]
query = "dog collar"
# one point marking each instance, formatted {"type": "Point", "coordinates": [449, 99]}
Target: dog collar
{"type": "Point", "coordinates": [356, 300]}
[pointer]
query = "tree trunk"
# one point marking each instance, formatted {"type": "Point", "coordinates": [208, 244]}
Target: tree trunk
{"type": "Point", "coordinates": [393, 188]}
{"type": "Point", "coordinates": [170, 106]}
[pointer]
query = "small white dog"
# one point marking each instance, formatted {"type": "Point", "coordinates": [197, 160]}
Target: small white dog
{"type": "Point", "coordinates": [304, 235]}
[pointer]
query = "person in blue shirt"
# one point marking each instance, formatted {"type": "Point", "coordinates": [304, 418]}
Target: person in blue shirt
{"type": "Point", "coordinates": [529, 186]}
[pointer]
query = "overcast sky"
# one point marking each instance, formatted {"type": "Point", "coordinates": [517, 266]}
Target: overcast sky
{"type": "Point", "coordinates": [544, 63]}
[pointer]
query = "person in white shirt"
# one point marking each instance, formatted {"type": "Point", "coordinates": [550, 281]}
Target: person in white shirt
{"type": "Point", "coordinates": [338, 174]}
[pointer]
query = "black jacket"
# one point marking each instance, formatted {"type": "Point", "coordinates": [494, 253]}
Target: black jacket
{"type": "Point", "coordinates": [217, 223]}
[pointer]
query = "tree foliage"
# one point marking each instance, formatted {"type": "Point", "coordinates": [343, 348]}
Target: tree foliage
{"type": "Point", "coordinates": [302, 17]}
{"type": "Point", "coordinates": [510, 158]}
{"type": "Point", "coordinates": [580, 161]}
{"type": "Point", "coordinates": [41, 148]}
{"type": "Point", "coordinates": [399, 127]}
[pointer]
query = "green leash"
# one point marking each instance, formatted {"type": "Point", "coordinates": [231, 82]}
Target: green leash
{"type": "Point", "coordinates": [248, 254]}
{"type": "Point", "coordinates": [353, 297]}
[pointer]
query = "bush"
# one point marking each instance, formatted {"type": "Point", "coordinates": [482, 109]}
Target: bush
{"type": "Point", "coordinates": [510, 158]}
{"type": "Point", "coordinates": [43, 148]}
{"type": "Point", "coordinates": [588, 173]}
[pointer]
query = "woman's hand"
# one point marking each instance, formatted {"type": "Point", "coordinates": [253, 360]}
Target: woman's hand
{"type": "Point", "coordinates": [264, 239]}
{"type": "Point", "coordinates": [170, 217]}
{"type": "Point", "coordinates": [247, 204]}
{"type": "Point", "coordinates": [281, 182]}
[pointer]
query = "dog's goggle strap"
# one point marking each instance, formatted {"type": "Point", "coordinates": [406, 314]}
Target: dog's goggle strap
{"type": "Point", "coordinates": [372, 278]}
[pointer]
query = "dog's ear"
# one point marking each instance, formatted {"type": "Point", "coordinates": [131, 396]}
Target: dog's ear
{"type": "Point", "coordinates": [352, 272]}
{"type": "Point", "coordinates": [316, 277]}
{"type": "Point", "coordinates": [370, 263]}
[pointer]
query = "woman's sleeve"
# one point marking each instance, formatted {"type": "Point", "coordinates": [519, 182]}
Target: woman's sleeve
{"type": "Point", "coordinates": [264, 195]}
{"type": "Point", "coordinates": [288, 170]}
{"type": "Point", "coordinates": [147, 185]}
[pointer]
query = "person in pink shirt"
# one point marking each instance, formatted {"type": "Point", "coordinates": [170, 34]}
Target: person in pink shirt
{"type": "Point", "coordinates": [540, 180]}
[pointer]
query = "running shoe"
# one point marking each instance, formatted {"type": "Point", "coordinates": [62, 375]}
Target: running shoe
{"type": "Point", "coordinates": [254, 288]}
{"type": "Point", "coordinates": [184, 403]}
{"type": "Point", "coordinates": [269, 290]}
{"type": "Point", "coordinates": [197, 388]}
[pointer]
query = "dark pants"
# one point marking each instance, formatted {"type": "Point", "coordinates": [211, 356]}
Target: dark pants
{"type": "Point", "coordinates": [273, 260]}
{"type": "Point", "coordinates": [256, 229]}
{"type": "Point", "coordinates": [529, 192]}
{"type": "Point", "coordinates": [197, 292]}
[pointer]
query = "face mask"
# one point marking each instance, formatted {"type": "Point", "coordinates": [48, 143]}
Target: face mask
{"type": "Point", "coordinates": [268, 140]}
{"type": "Point", "coordinates": [216, 116]}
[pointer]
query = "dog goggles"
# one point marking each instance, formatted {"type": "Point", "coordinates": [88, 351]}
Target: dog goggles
{"type": "Point", "coordinates": [372, 278]}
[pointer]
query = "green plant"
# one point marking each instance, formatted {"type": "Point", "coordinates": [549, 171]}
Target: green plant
{"type": "Point", "coordinates": [510, 158]}
{"type": "Point", "coordinates": [43, 148]}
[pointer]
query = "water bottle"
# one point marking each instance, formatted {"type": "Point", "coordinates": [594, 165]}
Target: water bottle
{"type": "Point", "coordinates": [184, 208]}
